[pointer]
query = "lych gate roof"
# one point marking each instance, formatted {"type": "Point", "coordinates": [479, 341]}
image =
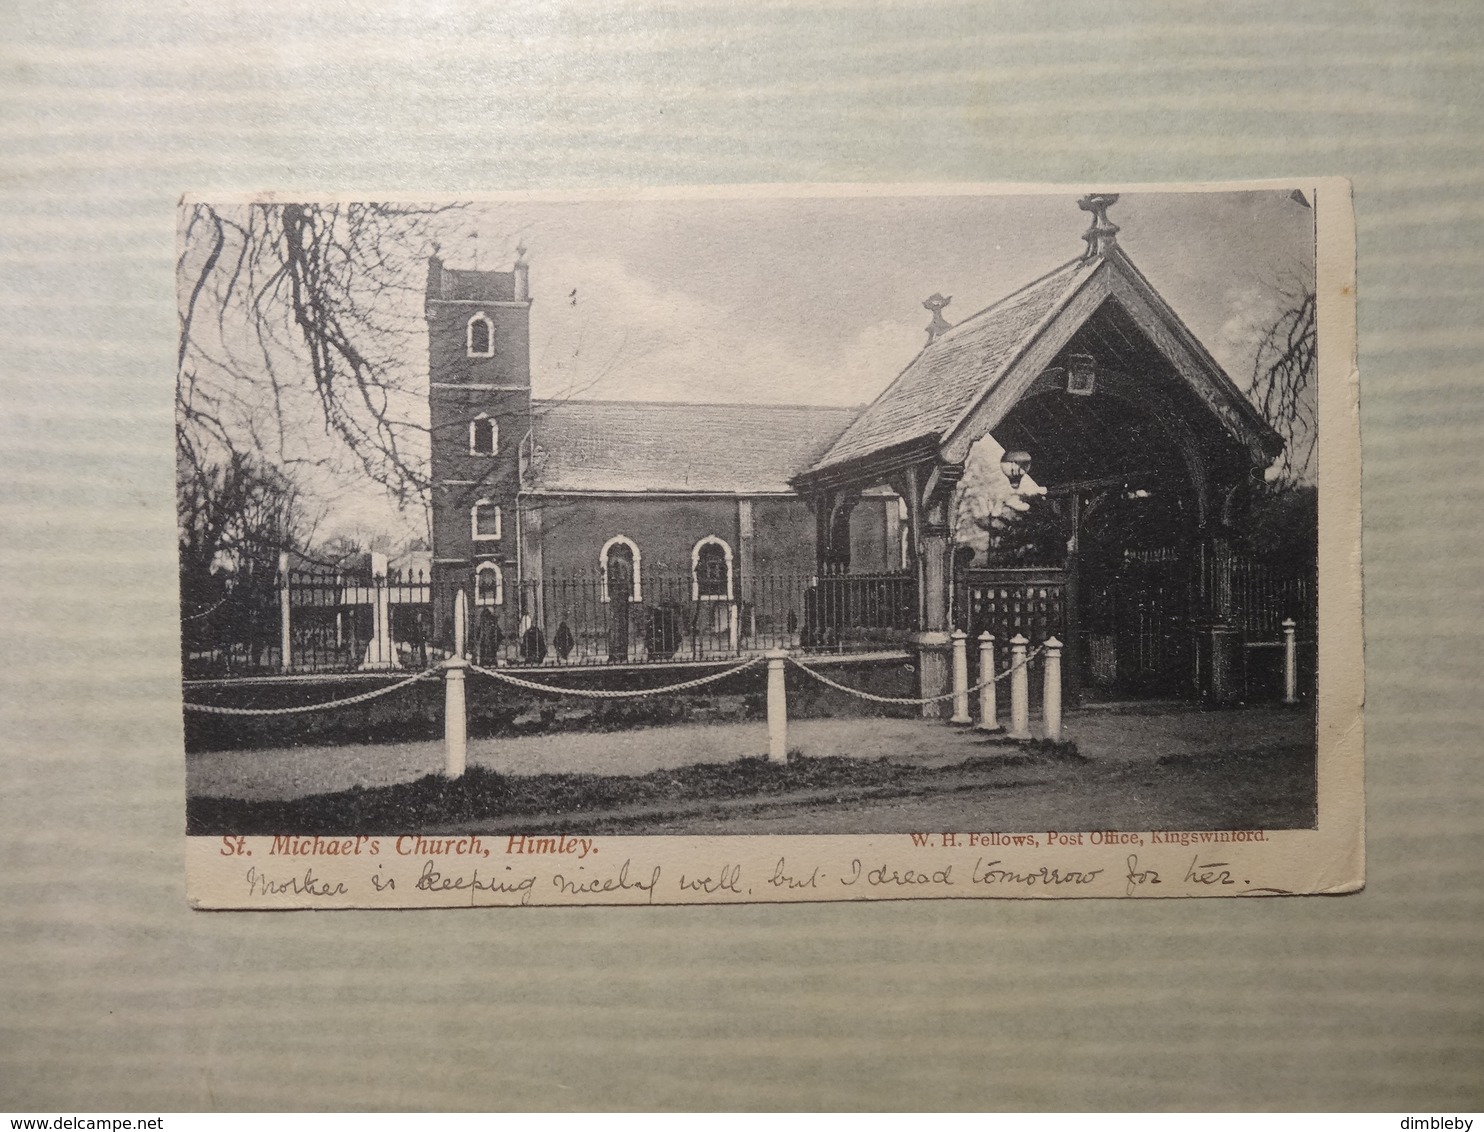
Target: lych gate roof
{"type": "Point", "coordinates": [661, 446]}
{"type": "Point", "coordinates": [950, 373]}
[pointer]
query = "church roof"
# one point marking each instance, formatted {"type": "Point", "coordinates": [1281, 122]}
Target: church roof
{"type": "Point", "coordinates": [950, 373]}
{"type": "Point", "coordinates": [665, 446]}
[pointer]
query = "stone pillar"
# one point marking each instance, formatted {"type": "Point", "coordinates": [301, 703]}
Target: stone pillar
{"type": "Point", "coordinates": [380, 652]}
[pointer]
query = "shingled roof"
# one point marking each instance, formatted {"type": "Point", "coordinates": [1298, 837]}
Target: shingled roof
{"type": "Point", "coordinates": [950, 373]}
{"type": "Point", "coordinates": [663, 446]}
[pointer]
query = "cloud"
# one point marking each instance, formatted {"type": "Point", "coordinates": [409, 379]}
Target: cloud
{"type": "Point", "coordinates": [598, 330]}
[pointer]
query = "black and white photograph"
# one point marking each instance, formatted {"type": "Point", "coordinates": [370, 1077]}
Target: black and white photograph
{"type": "Point", "coordinates": [537, 521]}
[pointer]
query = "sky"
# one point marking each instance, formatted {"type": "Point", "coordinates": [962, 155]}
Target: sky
{"type": "Point", "coordinates": [818, 300]}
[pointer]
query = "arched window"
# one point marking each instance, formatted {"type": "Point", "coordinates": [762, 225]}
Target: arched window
{"type": "Point", "coordinates": [484, 521]}
{"type": "Point", "coordinates": [489, 584]}
{"type": "Point", "coordinates": [711, 570]}
{"type": "Point", "coordinates": [619, 569]}
{"type": "Point", "coordinates": [484, 435]}
{"type": "Point", "coordinates": [481, 338]}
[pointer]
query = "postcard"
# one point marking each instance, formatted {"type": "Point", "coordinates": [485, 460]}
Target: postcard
{"type": "Point", "coordinates": [770, 544]}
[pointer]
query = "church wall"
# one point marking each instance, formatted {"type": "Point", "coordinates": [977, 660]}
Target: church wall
{"type": "Point", "coordinates": [665, 530]}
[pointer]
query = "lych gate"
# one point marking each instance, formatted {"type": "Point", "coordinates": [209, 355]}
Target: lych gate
{"type": "Point", "coordinates": [1095, 391]}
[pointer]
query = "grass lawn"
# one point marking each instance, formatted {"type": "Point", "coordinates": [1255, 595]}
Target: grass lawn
{"type": "Point", "coordinates": [1195, 771]}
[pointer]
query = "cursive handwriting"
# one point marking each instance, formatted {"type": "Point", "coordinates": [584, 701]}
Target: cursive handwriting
{"type": "Point", "coordinates": [898, 878]}
{"type": "Point", "coordinates": [781, 877]}
{"type": "Point", "coordinates": [260, 884]}
{"type": "Point", "coordinates": [431, 880]}
{"type": "Point", "coordinates": [587, 886]}
{"type": "Point", "coordinates": [728, 880]}
{"type": "Point", "coordinates": [990, 873]}
{"type": "Point", "coordinates": [1137, 876]}
{"type": "Point", "coordinates": [1213, 872]}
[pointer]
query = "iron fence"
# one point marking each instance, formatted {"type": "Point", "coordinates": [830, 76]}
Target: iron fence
{"type": "Point", "coordinates": [350, 621]}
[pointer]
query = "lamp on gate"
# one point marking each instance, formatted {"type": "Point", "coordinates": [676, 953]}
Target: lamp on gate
{"type": "Point", "coordinates": [1016, 465]}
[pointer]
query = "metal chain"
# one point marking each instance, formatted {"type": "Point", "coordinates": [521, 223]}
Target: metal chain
{"type": "Point", "coordinates": [210, 709]}
{"type": "Point", "coordinates": [594, 693]}
{"type": "Point", "coordinates": [204, 612]}
{"type": "Point", "coordinates": [912, 700]}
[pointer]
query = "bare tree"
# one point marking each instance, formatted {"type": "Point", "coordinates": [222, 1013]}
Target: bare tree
{"type": "Point", "coordinates": [299, 320]}
{"type": "Point", "coordinates": [1283, 385]}
{"type": "Point", "coordinates": [234, 518]}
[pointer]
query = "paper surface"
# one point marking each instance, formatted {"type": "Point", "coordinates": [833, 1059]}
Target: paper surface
{"type": "Point", "coordinates": [119, 995]}
{"type": "Point", "coordinates": [1147, 617]}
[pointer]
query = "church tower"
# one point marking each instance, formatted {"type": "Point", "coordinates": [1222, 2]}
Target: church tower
{"type": "Point", "coordinates": [479, 410]}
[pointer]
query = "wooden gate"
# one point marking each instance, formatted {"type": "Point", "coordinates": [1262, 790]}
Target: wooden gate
{"type": "Point", "coordinates": [1029, 601]}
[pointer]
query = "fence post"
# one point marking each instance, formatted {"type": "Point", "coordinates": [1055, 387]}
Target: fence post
{"type": "Point", "coordinates": [285, 617]}
{"type": "Point", "coordinates": [1020, 690]}
{"type": "Point", "coordinates": [455, 712]}
{"type": "Point", "coordinates": [1051, 693]}
{"type": "Point", "coordinates": [989, 710]}
{"type": "Point", "coordinates": [960, 677]}
{"type": "Point", "coordinates": [1290, 662]}
{"type": "Point", "coordinates": [777, 707]}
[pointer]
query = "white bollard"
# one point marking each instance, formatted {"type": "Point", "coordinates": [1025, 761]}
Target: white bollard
{"type": "Point", "coordinates": [1051, 691]}
{"type": "Point", "coordinates": [777, 707]}
{"type": "Point", "coordinates": [285, 618]}
{"type": "Point", "coordinates": [960, 677]}
{"type": "Point", "coordinates": [455, 711]}
{"type": "Point", "coordinates": [989, 711]}
{"type": "Point", "coordinates": [1020, 690]}
{"type": "Point", "coordinates": [1290, 662]}
{"type": "Point", "coordinates": [455, 718]}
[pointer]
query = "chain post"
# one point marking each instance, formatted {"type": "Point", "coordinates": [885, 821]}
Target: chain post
{"type": "Point", "coordinates": [989, 711]}
{"type": "Point", "coordinates": [960, 677]}
{"type": "Point", "coordinates": [1051, 690]}
{"type": "Point", "coordinates": [1290, 661]}
{"type": "Point", "coordinates": [1020, 689]}
{"type": "Point", "coordinates": [777, 707]}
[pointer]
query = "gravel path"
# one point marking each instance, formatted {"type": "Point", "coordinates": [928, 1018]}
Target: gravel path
{"type": "Point", "coordinates": [1107, 737]}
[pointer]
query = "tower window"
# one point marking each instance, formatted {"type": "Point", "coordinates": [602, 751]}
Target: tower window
{"type": "Point", "coordinates": [481, 336]}
{"type": "Point", "coordinates": [484, 436]}
{"type": "Point", "coordinates": [489, 584]}
{"type": "Point", "coordinates": [484, 521]}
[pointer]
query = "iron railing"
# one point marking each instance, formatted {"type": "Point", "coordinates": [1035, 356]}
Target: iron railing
{"type": "Point", "coordinates": [350, 621]}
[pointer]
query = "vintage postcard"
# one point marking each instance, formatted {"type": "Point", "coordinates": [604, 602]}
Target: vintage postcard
{"type": "Point", "coordinates": [770, 544]}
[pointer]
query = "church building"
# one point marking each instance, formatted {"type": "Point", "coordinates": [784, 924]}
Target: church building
{"type": "Point", "coordinates": [540, 504]}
